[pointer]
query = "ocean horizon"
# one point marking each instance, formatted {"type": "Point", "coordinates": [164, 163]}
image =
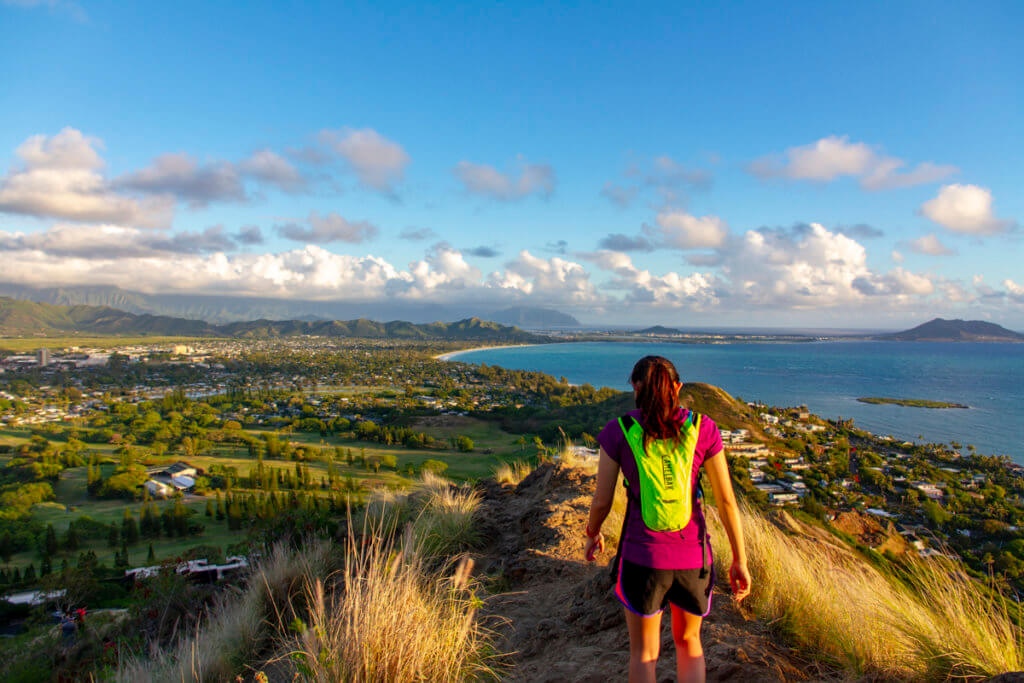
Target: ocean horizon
{"type": "Point", "coordinates": [828, 377]}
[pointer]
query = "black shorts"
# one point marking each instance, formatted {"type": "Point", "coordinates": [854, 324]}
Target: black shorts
{"type": "Point", "coordinates": [646, 591]}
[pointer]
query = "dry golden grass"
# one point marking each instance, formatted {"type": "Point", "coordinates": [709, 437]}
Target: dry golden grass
{"type": "Point", "coordinates": [512, 473]}
{"type": "Point", "coordinates": [389, 618]}
{"type": "Point", "coordinates": [439, 514]}
{"type": "Point", "coordinates": [936, 624]}
{"type": "Point", "coordinates": [238, 627]}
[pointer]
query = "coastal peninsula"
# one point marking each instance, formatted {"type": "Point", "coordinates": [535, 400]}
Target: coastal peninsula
{"type": "Point", "coordinates": [910, 402]}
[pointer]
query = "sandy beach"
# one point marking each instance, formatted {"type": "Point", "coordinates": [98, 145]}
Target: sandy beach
{"type": "Point", "coordinates": [452, 354]}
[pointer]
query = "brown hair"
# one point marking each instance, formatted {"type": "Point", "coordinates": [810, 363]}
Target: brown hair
{"type": "Point", "coordinates": [656, 397]}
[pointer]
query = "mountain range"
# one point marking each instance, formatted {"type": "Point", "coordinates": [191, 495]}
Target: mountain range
{"type": "Point", "coordinates": [225, 309]}
{"type": "Point", "coordinates": [29, 318]}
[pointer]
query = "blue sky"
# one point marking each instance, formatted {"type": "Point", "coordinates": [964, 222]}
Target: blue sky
{"type": "Point", "coordinates": [798, 164]}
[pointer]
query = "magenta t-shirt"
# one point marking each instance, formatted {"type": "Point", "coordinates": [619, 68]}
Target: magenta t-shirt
{"type": "Point", "coordinates": [660, 549]}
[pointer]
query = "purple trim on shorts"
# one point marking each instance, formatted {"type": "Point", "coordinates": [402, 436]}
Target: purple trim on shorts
{"type": "Point", "coordinates": [621, 595]}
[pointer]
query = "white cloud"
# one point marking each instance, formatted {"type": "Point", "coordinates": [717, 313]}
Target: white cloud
{"type": "Point", "coordinates": [835, 156]}
{"type": "Point", "coordinates": [896, 256]}
{"type": "Point", "coordinates": [695, 291]}
{"type": "Point", "coordinates": [329, 228]}
{"type": "Point", "coordinates": [556, 279]}
{"type": "Point", "coordinates": [181, 175]}
{"type": "Point", "coordinates": [680, 230]}
{"type": "Point", "coordinates": [490, 182]}
{"type": "Point", "coordinates": [930, 245]}
{"type": "Point", "coordinates": [60, 178]}
{"type": "Point", "coordinates": [147, 261]}
{"type": "Point", "coordinates": [1014, 291]}
{"type": "Point", "coordinates": [270, 167]}
{"type": "Point", "coordinates": [965, 209]}
{"type": "Point", "coordinates": [378, 162]}
{"type": "Point", "coordinates": [811, 267]}
{"type": "Point", "coordinates": [104, 241]}
{"type": "Point", "coordinates": [666, 176]}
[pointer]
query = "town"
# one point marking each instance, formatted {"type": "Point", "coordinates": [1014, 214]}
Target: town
{"type": "Point", "coordinates": [121, 458]}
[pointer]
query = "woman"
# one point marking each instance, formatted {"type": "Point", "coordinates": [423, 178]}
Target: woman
{"type": "Point", "coordinates": [664, 554]}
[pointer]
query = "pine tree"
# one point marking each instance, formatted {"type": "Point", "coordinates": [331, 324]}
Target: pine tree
{"type": "Point", "coordinates": [150, 556]}
{"type": "Point", "coordinates": [209, 508]}
{"type": "Point", "coordinates": [7, 545]}
{"type": "Point", "coordinates": [129, 529]}
{"type": "Point", "coordinates": [50, 543]}
{"type": "Point", "coordinates": [30, 573]}
{"type": "Point", "coordinates": [46, 566]}
{"type": "Point", "coordinates": [113, 537]}
{"type": "Point", "coordinates": [71, 538]}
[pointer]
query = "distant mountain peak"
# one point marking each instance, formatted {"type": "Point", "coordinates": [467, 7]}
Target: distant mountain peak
{"type": "Point", "coordinates": [531, 316]}
{"type": "Point", "coordinates": [940, 329]}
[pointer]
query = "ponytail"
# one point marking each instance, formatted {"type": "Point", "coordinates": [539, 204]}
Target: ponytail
{"type": "Point", "coordinates": [653, 378]}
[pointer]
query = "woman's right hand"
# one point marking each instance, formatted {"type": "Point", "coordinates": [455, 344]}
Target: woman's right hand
{"type": "Point", "coordinates": [739, 579]}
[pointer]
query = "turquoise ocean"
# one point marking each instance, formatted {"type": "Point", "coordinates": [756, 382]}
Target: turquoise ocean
{"type": "Point", "coordinates": [828, 377]}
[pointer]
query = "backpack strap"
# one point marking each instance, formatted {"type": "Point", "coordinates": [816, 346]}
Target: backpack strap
{"type": "Point", "coordinates": [698, 501]}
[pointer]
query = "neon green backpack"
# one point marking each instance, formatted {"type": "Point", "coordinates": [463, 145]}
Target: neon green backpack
{"type": "Point", "coordinates": [666, 467]}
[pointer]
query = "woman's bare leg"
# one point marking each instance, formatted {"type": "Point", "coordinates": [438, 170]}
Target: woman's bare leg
{"type": "Point", "coordinates": [644, 645]}
{"type": "Point", "coordinates": [689, 653]}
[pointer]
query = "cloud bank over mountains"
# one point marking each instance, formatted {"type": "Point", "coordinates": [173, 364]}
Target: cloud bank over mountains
{"type": "Point", "coordinates": [120, 231]}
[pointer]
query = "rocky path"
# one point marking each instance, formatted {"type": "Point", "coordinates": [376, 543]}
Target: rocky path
{"type": "Point", "coordinates": [559, 615]}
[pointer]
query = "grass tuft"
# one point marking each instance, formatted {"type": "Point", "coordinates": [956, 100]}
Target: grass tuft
{"type": "Point", "coordinates": [512, 473]}
{"type": "Point", "coordinates": [934, 624]}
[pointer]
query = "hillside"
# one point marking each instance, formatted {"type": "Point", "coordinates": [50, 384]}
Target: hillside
{"type": "Point", "coordinates": [218, 309]}
{"type": "Point", "coordinates": [28, 318]}
{"type": "Point", "coordinates": [943, 330]}
{"type": "Point", "coordinates": [659, 331]}
{"type": "Point", "coordinates": [527, 316]}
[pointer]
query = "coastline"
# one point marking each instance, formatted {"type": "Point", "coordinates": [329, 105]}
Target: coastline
{"type": "Point", "coordinates": [451, 354]}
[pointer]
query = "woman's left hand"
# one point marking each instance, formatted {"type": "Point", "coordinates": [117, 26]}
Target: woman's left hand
{"type": "Point", "coordinates": [594, 545]}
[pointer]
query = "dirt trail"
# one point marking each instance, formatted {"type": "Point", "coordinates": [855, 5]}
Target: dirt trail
{"type": "Point", "coordinates": [562, 619]}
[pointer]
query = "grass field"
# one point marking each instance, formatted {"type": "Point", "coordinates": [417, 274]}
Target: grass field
{"type": "Point", "coordinates": [493, 447]}
{"type": "Point", "coordinates": [22, 344]}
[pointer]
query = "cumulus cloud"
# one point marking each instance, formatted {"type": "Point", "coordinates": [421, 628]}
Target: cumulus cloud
{"type": "Point", "coordinates": [561, 280]}
{"type": "Point", "coordinates": [695, 291]}
{"type": "Point", "coordinates": [90, 242]}
{"type": "Point", "coordinates": [488, 181]}
{"type": "Point", "coordinates": [557, 247]}
{"type": "Point", "coordinates": [620, 242]}
{"type": "Point", "coordinates": [666, 171]}
{"type": "Point", "coordinates": [1014, 291]}
{"type": "Point", "coordinates": [270, 167]}
{"type": "Point", "coordinates": [665, 175]}
{"type": "Point", "coordinates": [680, 230]}
{"type": "Point", "coordinates": [835, 156]}
{"type": "Point", "coordinates": [619, 195]}
{"type": "Point", "coordinates": [965, 209]}
{"type": "Point", "coordinates": [930, 245]}
{"type": "Point", "coordinates": [326, 229]}
{"type": "Point", "coordinates": [417, 234]}
{"type": "Point", "coordinates": [860, 231]}
{"type": "Point", "coordinates": [808, 266]}
{"type": "Point", "coordinates": [182, 176]}
{"type": "Point", "coordinates": [60, 177]}
{"type": "Point", "coordinates": [249, 235]}
{"type": "Point", "coordinates": [378, 162]}
{"type": "Point", "coordinates": [143, 260]}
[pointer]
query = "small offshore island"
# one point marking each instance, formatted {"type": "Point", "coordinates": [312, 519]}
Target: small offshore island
{"type": "Point", "coordinates": [910, 402]}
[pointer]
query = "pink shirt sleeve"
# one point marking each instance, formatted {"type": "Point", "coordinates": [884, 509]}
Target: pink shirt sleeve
{"type": "Point", "coordinates": [709, 441]}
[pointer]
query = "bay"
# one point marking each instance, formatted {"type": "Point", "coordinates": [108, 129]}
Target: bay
{"type": "Point", "coordinates": [828, 377]}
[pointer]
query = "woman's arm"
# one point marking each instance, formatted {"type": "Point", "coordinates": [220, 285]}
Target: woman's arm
{"type": "Point", "coordinates": [604, 494]}
{"type": "Point", "coordinates": [729, 511]}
